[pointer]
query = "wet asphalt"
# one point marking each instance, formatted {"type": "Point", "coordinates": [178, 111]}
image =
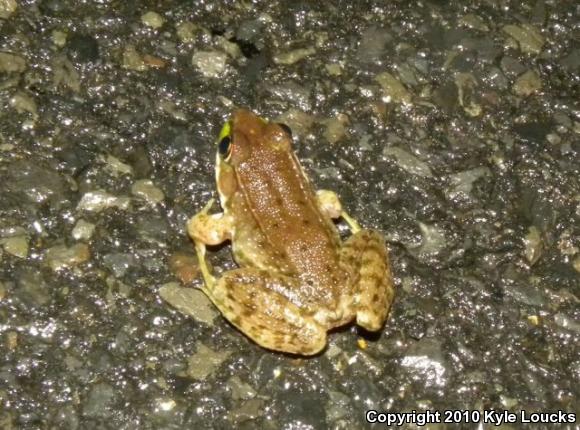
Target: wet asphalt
{"type": "Point", "coordinates": [452, 129]}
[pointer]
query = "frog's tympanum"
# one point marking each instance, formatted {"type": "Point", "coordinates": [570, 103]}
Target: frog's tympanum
{"type": "Point", "coordinates": [296, 278]}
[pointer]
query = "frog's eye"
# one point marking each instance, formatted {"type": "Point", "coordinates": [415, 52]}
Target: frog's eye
{"type": "Point", "coordinates": [286, 129]}
{"type": "Point", "coordinates": [225, 147]}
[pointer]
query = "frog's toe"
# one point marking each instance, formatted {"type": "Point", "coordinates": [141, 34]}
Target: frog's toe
{"type": "Point", "coordinates": [369, 320]}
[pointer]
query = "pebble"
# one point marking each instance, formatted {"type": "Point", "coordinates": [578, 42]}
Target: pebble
{"type": "Point", "coordinates": [299, 121]}
{"type": "Point", "coordinates": [37, 183]}
{"type": "Point", "coordinates": [533, 245]}
{"type": "Point", "coordinates": [294, 56]}
{"type": "Point", "coordinates": [576, 264]}
{"type": "Point", "coordinates": [11, 63]}
{"type": "Point", "coordinates": [205, 362]}
{"type": "Point", "coordinates": [59, 38]}
{"type": "Point", "coordinates": [117, 166]}
{"type": "Point", "coordinates": [335, 128]}
{"type": "Point", "coordinates": [7, 8]}
{"type": "Point", "coordinates": [393, 90]}
{"type": "Point", "coordinates": [133, 60]}
{"type": "Point", "coordinates": [373, 44]}
{"type": "Point", "coordinates": [189, 301]}
{"type": "Point", "coordinates": [250, 410]}
{"type": "Point", "coordinates": [16, 246]}
{"type": "Point", "coordinates": [164, 404]}
{"type": "Point", "coordinates": [462, 182]}
{"type": "Point", "coordinates": [333, 69]}
{"type": "Point", "coordinates": [186, 32]}
{"type": "Point", "coordinates": [65, 74]}
{"type": "Point", "coordinates": [211, 64]}
{"type": "Point", "coordinates": [83, 230]}
{"type": "Point", "coordinates": [240, 390]}
{"type": "Point", "coordinates": [527, 84]}
{"type": "Point", "coordinates": [466, 83]}
{"type": "Point", "coordinates": [99, 401]}
{"type": "Point", "coordinates": [22, 102]}
{"type": "Point", "coordinates": [566, 322]}
{"type": "Point", "coordinates": [31, 287]}
{"type": "Point", "coordinates": [96, 201]}
{"type": "Point", "coordinates": [152, 19]}
{"type": "Point", "coordinates": [426, 363]}
{"type": "Point", "coordinates": [60, 256]}
{"type": "Point", "coordinates": [184, 266]}
{"type": "Point", "coordinates": [119, 263]}
{"type": "Point", "coordinates": [145, 189]}
{"type": "Point", "coordinates": [528, 37]}
{"type": "Point", "coordinates": [408, 162]}
{"type": "Point", "coordinates": [433, 240]}
{"type": "Point", "coordinates": [473, 21]}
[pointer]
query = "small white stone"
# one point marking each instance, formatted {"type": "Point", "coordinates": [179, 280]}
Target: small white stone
{"type": "Point", "coordinates": [145, 189]}
{"type": "Point", "coordinates": [16, 246]}
{"type": "Point", "coordinates": [294, 56]}
{"type": "Point", "coordinates": [83, 230]}
{"type": "Point", "coordinates": [117, 166]}
{"type": "Point", "coordinates": [393, 89]}
{"type": "Point", "coordinates": [152, 19]}
{"type": "Point", "coordinates": [133, 60]}
{"type": "Point", "coordinates": [59, 257]}
{"type": "Point", "coordinates": [96, 201]}
{"type": "Point", "coordinates": [59, 38]}
{"type": "Point", "coordinates": [211, 64]}
{"type": "Point", "coordinates": [7, 8]}
{"type": "Point", "coordinates": [527, 84]}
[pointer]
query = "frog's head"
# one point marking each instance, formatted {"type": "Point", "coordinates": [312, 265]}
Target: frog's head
{"type": "Point", "coordinates": [246, 134]}
{"type": "Point", "coordinates": [250, 143]}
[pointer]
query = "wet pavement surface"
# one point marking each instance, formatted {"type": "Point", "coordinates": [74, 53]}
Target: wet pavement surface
{"type": "Point", "coordinates": [454, 130]}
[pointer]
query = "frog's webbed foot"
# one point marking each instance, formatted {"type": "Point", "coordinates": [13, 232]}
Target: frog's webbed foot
{"type": "Point", "coordinates": [330, 205]}
{"type": "Point", "coordinates": [365, 255]}
{"type": "Point", "coordinates": [249, 300]}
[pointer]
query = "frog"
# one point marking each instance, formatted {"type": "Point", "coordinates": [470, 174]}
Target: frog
{"type": "Point", "coordinates": [296, 278]}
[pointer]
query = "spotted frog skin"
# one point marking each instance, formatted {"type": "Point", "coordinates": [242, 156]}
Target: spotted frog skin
{"type": "Point", "coordinates": [296, 278]}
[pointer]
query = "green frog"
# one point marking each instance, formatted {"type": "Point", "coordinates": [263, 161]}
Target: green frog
{"type": "Point", "coordinates": [296, 278]}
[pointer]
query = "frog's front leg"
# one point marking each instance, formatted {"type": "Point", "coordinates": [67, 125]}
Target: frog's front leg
{"type": "Point", "coordinates": [330, 205]}
{"type": "Point", "coordinates": [210, 229]}
{"type": "Point", "coordinates": [364, 255]}
{"type": "Point", "coordinates": [251, 300]}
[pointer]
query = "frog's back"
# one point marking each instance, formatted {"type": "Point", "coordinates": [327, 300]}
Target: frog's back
{"type": "Point", "coordinates": [283, 207]}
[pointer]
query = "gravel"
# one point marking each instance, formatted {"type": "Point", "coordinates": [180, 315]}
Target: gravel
{"type": "Point", "coordinates": [452, 128]}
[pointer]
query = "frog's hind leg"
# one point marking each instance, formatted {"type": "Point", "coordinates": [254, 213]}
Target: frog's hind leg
{"type": "Point", "coordinates": [365, 256]}
{"type": "Point", "coordinates": [248, 298]}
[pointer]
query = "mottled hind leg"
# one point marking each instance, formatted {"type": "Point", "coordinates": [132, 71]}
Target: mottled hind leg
{"type": "Point", "coordinates": [250, 300]}
{"type": "Point", "coordinates": [365, 256]}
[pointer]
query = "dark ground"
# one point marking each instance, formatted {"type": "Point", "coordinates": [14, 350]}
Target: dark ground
{"type": "Point", "coordinates": [454, 129]}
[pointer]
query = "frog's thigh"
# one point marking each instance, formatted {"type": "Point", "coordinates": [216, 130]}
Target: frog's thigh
{"type": "Point", "coordinates": [329, 203]}
{"type": "Point", "coordinates": [247, 298]}
{"type": "Point", "coordinates": [365, 254]}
